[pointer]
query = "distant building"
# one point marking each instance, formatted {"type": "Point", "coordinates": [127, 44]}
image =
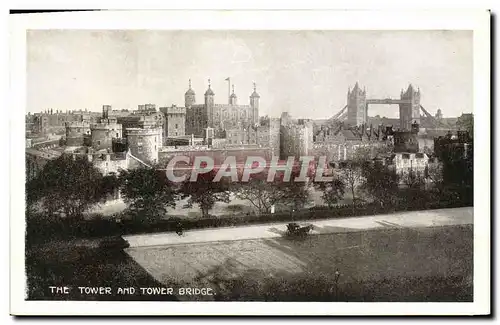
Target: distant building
{"type": "Point", "coordinates": [221, 117]}
{"type": "Point", "coordinates": [296, 138]}
{"type": "Point", "coordinates": [51, 121]}
{"type": "Point", "coordinates": [439, 115]}
{"type": "Point", "coordinates": [409, 106]}
{"type": "Point", "coordinates": [106, 162]}
{"type": "Point", "coordinates": [145, 118]}
{"type": "Point", "coordinates": [340, 143]}
{"type": "Point", "coordinates": [409, 113]}
{"type": "Point", "coordinates": [356, 106]}
{"type": "Point", "coordinates": [410, 162]}
{"type": "Point", "coordinates": [175, 121]}
{"type": "Point", "coordinates": [75, 132]}
{"type": "Point", "coordinates": [103, 132]}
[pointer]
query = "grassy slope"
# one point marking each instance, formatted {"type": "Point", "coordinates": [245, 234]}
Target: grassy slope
{"type": "Point", "coordinates": [431, 264]}
{"type": "Point", "coordinates": [428, 264]}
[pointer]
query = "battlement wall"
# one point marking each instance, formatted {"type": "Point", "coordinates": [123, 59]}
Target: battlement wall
{"type": "Point", "coordinates": [232, 106]}
{"type": "Point", "coordinates": [142, 132]}
{"type": "Point", "coordinates": [173, 110]}
{"type": "Point", "coordinates": [77, 124]}
{"type": "Point", "coordinates": [106, 126]}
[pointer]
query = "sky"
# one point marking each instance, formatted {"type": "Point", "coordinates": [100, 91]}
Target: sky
{"type": "Point", "coordinates": [306, 73]}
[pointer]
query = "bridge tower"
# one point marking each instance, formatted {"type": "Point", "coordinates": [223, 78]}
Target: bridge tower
{"type": "Point", "coordinates": [356, 106]}
{"type": "Point", "coordinates": [409, 113]}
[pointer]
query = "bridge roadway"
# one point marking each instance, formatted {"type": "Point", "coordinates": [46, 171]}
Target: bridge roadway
{"type": "Point", "coordinates": [388, 101]}
{"type": "Point", "coordinates": [414, 219]}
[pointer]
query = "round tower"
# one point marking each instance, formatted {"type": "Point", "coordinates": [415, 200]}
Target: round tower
{"type": "Point", "coordinates": [189, 96]}
{"type": "Point", "coordinates": [144, 144]}
{"type": "Point", "coordinates": [254, 104]}
{"type": "Point", "coordinates": [103, 133]}
{"type": "Point", "coordinates": [75, 132]}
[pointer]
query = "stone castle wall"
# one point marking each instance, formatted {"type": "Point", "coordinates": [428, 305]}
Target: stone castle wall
{"type": "Point", "coordinates": [144, 143]}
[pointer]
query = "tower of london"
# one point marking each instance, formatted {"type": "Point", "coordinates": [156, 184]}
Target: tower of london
{"type": "Point", "coordinates": [220, 117]}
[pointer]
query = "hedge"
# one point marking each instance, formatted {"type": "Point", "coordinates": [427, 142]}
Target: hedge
{"type": "Point", "coordinates": [42, 229]}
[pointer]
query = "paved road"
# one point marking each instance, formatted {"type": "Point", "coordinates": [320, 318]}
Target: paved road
{"type": "Point", "coordinates": [414, 219]}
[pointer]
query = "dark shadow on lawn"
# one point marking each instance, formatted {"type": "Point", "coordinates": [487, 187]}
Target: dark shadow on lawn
{"type": "Point", "coordinates": [387, 264]}
{"type": "Point", "coordinates": [86, 267]}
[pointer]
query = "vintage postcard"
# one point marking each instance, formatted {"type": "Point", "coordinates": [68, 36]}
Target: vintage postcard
{"type": "Point", "coordinates": [250, 163]}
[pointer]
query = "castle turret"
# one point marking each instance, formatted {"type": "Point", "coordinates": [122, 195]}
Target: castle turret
{"type": "Point", "coordinates": [439, 115]}
{"type": "Point", "coordinates": [209, 104]}
{"type": "Point", "coordinates": [189, 96]}
{"type": "Point", "coordinates": [105, 111]}
{"type": "Point", "coordinates": [233, 99]}
{"type": "Point", "coordinates": [254, 104]}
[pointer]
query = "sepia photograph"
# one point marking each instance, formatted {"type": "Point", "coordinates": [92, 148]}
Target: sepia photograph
{"type": "Point", "coordinates": [240, 164]}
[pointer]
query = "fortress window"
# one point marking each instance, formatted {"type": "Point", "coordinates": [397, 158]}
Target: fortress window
{"type": "Point", "coordinates": [177, 126]}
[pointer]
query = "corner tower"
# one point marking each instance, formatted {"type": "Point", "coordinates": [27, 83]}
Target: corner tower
{"type": "Point", "coordinates": [209, 104]}
{"type": "Point", "coordinates": [254, 104]}
{"type": "Point", "coordinates": [356, 106]}
{"type": "Point", "coordinates": [189, 96]}
{"type": "Point", "coordinates": [233, 99]}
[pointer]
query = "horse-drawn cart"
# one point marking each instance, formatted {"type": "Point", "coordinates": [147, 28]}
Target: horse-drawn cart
{"type": "Point", "coordinates": [296, 230]}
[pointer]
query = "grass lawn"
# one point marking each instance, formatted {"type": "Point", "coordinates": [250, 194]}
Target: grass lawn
{"type": "Point", "coordinates": [82, 263]}
{"type": "Point", "coordinates": [391, 264]}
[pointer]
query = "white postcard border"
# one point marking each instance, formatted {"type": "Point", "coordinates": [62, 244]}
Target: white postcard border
{"type": "Point", "coordinates": [476, 20]}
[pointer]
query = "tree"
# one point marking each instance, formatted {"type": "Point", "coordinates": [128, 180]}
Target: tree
{"type": "Point", "coordinates": [293, 193]}
{"type": "Point", "coordinates": [458, 169]}
{"type": "Point", "coordinates": [383, 150]}
{"type": "Point", "coordinates": [147, 191]}
{"type": "Point", "coordinates": [380, 182]}
{"type": "Point", "coordinates": [362, 154]}
{"type": "Point", "coordinates": [259, 192]}
{"type": "Point", "coordinates": [110, 185]}
{"type": "Point", "coordinates": [205, 192]}
{"type": "Point", "coordinates": [434, 173]}
{"type": "Point", "coordinates": [332, 191]}
{"type": "Point", "coordinates": [351, 176]}
{"type": "Point", "coordinates": [66, 185]}
{"type": "Point", "coordinates": [263, 194]}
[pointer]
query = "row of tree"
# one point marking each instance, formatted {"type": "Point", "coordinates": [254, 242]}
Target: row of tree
{"type": "Point", "coordinates": [69, 187]}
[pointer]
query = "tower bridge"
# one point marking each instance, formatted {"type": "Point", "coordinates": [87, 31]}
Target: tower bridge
{"type": "Point", "coordinates": [355, 113]}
